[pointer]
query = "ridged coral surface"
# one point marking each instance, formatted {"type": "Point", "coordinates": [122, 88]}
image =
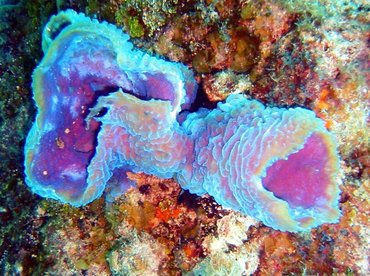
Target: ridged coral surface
{"type": "Point", "coordinates": [278, 165]}
{"type": "Point", "coordinates": [84, 60]}
{"type": "Point", "coordinates": [106, 109]}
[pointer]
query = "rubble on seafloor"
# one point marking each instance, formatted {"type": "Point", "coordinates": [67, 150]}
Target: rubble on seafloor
{"type": "Point", "coordinates": [311, 54]}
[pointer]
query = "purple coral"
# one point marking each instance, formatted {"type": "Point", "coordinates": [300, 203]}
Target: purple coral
{"type": "Point", "coordinates": [85, 60]}
{"type": "Point", "coordinates": [278, 165]}
{"type": "Point", "coordinates": [105, 109]}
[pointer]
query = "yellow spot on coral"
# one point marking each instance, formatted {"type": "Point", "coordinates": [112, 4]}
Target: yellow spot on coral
{"type": "Point", "coordinates": [67, 130]}
{"type": "Point", "coordinates": [45, 172]}
{"type": "Point", "coordinates": [60, 143]}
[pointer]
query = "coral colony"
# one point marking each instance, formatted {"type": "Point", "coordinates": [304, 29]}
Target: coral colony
{"type": "Point", "coordinates": [105, 109]}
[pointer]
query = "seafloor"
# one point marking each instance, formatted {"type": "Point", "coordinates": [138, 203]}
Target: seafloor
{"type": "Point", "coordinates": [313, 54]}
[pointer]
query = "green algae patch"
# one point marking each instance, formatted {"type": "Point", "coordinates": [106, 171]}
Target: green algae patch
{"type": "Point", "coordinates": [135, 27]}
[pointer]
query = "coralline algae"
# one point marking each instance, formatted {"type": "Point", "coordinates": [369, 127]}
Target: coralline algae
{"type": "Point", "coordinates": [105, 109]}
